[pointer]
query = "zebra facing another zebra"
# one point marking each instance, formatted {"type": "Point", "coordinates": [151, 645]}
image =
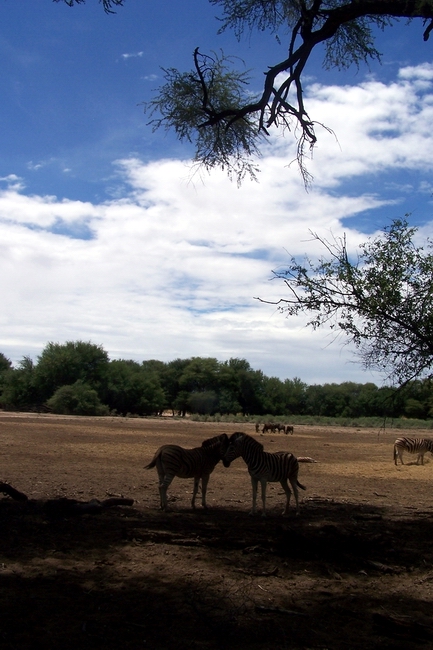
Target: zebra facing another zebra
{"type": "Point", "coordinates": [265, 467]}
{"type": "Point", "coordinates": [197, 463]}
{"type": "Point", "coordinates": [418, 446]}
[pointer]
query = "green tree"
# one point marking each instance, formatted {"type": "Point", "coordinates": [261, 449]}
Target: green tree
{"type": "Point", "coordinates": [275, 396]}
{"type": "Point", "coordinates": [231, 377]}
{"type": "Point", "coordinates": [77, 399]}
{"type": "Point", "coordinates": [5, 367]}
{"type": "Point", "coordinates": [212, 104]}
{"type": "Point", "coordinates": [200, 374]}
{"type": "Point", "coordinates": [295, 392]}
{"type": "Point", "coordinates": [205, 402]}
{"type": "Point", "coordinates": [64, 364]}
{"type": "Point", "coordinates": [241, 387]}
{"type": "Point", "coordinates": [132, 388]}
{"type": "Point", "coordinates": [170, 381]}
{"type": "Point", "coordinates": [382, 301]}
{"type": "Point", "coordinates": [5, 363]}
{"type": "Point", "coordinates": [20, 389]}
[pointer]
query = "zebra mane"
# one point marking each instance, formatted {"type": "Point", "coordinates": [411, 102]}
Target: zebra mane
{"type": "Point", "coordinates": [213, 441]}
{"type": "Point", "coordinates": [253, 442]}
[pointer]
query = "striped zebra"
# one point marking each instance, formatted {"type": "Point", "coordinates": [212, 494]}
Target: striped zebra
{"type": "Point", "coordinates": [418, 446]}
{"type": "Point", "coordinates": [197, 463]}
{"type": "Point", "coordinates": [265, 467]}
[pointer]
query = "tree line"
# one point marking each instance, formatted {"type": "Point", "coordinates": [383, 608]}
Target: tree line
{"type": "Point", "coordinates": [78, 378]}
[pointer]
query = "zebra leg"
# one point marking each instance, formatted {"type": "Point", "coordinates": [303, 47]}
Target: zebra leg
{"type": "Point", "coordinates": [294, 484]}
{"type": "Point", "coordinates": [194, 491]}
{"type": "Point", "coordinates": [263, 484]}
{"type": "Point", "coordinates": [163, 487]}
{"type": "Point", "coordinates": [288, 495]}
{"type": "Point", "coordinates": [204, 482]}
{"type": "Point", "coordinates": [254, 483]}
{"type": "Point", "coordinates": [420, 456]}
{"type": "Point", "coordinates": [163, 495]}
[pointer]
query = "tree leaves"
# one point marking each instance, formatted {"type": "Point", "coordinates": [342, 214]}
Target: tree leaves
{"type": "Point", "coordinates": [211, 106]}
{"type": "Point", "coordinates": [382, 301]}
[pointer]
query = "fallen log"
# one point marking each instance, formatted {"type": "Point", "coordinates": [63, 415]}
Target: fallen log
{"type": "Point", "coordinates": [69, 507]}
{"type": "Point", "coordinates": [12, 492]}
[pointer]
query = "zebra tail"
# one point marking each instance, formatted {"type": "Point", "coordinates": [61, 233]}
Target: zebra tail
{"type": "Point", "coordinates": [153, 461]}
{"type": "Point", "coordinates": [300, 485]}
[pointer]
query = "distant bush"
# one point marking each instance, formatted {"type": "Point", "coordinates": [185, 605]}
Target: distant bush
{"type": "Point", "coordinates": [318, 420]}
{"type": "Point", "coordinates": [77, 399]}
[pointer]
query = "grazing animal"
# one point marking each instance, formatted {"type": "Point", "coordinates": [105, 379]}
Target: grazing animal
{"type": "Point", "coordinates": [197, 463]}
{"type": "Point", "coordinates": [418, 446]}
{"type": "Point", "coordinates": [268, 426]}
{"type": "Point", "coordinates": [265, 468]}
{"type": "Point", "coordinates": [289, 429]}
{"type": "Point", "coordinates": [280, 427]}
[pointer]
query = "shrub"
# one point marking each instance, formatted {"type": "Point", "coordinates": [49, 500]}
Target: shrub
{"type": "Point", "coordinates": [77, 399]}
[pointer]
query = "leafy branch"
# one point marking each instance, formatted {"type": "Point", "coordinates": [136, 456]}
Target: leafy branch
{"type": "Point", "coordinates": [382, 301]}
{"type": "Point", "coordinates": [211, 105]}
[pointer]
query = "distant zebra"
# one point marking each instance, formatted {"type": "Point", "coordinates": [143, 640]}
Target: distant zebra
{"type": "Point", "coordinates": [197, 463]}
{"type": "Point", "coordinates": [265, 467]}
{"type": "Point", "coordinates": [418, 446]}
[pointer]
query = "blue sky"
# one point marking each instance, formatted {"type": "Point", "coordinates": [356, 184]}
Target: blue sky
{"type": "Point", "coordinates": [108, 234]}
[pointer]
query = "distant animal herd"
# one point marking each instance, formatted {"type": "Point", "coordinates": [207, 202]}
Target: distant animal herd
{"type": "Point", "coordinates": [273, 427]}
{"type": "Point", "coordinates": [263, 467]}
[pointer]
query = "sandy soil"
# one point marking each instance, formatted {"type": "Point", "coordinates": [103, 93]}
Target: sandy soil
{"type": "Point", "coordinates": [354, 570]}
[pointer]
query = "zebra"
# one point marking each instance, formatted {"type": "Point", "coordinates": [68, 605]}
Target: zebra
{"type": "Point", "coordinates": [197, 463]}
{"type": "Point", "coordinates": [265, 467]}
{"type": "Point", "coordinates": [418, 446]}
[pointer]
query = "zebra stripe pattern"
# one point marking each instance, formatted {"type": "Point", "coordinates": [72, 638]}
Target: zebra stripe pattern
{"type": "Point", "coordinates": [197, 463]}
{"type": "Point", "coordinates": [265, 468]}
{"type": "Point", "coordinates": [418, 446]}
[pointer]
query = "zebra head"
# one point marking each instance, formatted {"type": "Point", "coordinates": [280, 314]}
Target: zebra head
{"type": "Point", "coordinates": [220, 442]}
{"type": "Point", "coordinates": [234, 448]}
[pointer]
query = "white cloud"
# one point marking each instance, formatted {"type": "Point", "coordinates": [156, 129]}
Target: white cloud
{"type": "Point", "coordinates": [132, 55]}
{"type": "Point", "coordinates": [173, 266]}
{"type": "Point", "coordinates": [378, 126]}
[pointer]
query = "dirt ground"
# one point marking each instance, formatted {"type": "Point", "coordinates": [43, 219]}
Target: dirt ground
{"type": "Point", "coordinates": [354, 570]}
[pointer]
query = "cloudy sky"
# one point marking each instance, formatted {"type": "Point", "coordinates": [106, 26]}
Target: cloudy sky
{"type": "Point", "coordinates": [107, 234]}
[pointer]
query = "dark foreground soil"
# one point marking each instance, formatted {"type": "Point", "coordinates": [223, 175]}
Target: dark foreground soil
{"type": "Point", "coordinates": [354, 570]}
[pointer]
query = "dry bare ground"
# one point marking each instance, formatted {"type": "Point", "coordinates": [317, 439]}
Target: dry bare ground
{"type": "Point", "coordinates": [355, 570]}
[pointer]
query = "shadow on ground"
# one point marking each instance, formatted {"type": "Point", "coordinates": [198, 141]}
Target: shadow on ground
{"type": "Point", "coordinates": [338, 576]}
